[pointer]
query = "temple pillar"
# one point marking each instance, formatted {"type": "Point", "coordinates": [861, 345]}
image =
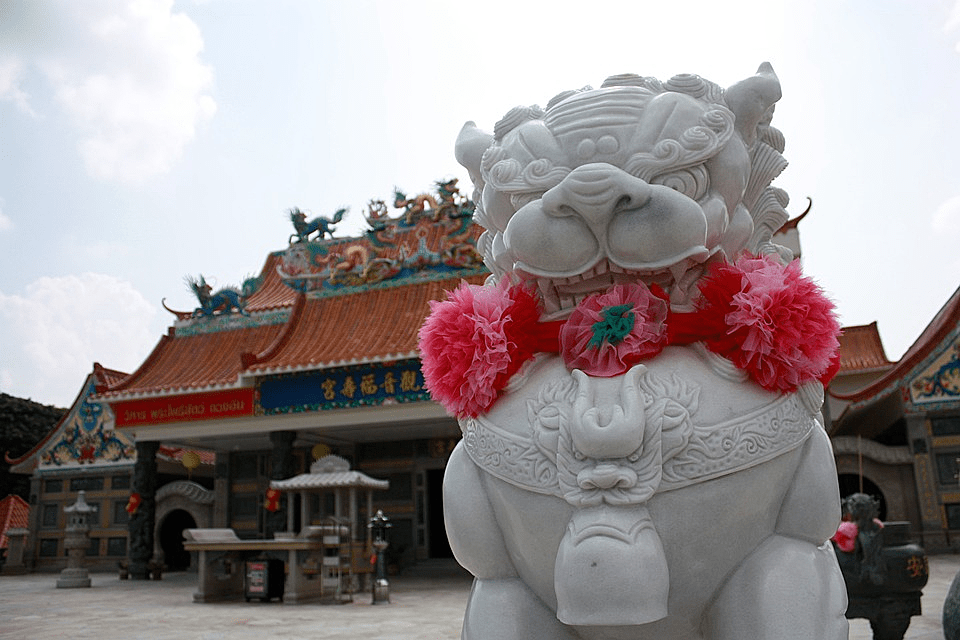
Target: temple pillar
{"type": "Point", "coordinates": [282, 468]}
{"type": "Point", "coordinates": [925, 475]}
{"type": "Point", "coordinates": [221, 490]}
{"type": "Point", "coordinates": [143, 520]}
{"type": "Point", "coordinates": [31, 543]}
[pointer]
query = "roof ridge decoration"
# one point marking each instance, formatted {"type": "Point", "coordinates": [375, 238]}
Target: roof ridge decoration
{"type": "Point", "coordinates": [431, 236]}
{"type": "Point", "coordinates": [230, 322]}
{"type": "Point", "coordinates": [942, 379]}
{"type": "Point", "coordinates": [303, 229]}
{"type": "Point", "coordinates": [226, 301]}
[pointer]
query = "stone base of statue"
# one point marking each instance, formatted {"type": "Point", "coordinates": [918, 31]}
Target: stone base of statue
{"type": "Point", "coordinates": [73, 577]}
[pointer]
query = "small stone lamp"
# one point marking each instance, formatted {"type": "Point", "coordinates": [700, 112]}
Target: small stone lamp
{"type": "Point", "coordinates": [381, 587]}
{"type": "Point", "coordinates": [76, 543]}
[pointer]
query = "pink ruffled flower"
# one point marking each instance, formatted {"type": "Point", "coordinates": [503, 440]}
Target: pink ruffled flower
{"type": "Point", "coordinates": [846, 536]}
{"type": "Point", "coordinates": [610, 332]}
{"type": "Point", "coordinates": [473, 342]}
{"type": "Point", "coordinates": [780, 327]}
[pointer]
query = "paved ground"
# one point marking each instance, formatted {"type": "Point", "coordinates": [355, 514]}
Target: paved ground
{"type": "Point", "coordinates": [420, 608]}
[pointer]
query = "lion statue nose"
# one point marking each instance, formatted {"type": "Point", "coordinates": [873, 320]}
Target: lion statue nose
{"type": "Point", "coordinates": [637, 225]}
{"type": "Point", "coordinates": [596, 192]}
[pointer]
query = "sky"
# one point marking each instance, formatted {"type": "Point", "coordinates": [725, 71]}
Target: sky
{"type": "Point", "coordinates": [144, 141]}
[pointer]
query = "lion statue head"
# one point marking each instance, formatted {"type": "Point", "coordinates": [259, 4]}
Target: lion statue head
{"type": "Point", "coordinates": [639, 179]}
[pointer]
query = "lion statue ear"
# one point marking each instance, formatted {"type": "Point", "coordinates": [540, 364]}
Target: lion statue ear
{"type": "Point", "coordinates": [752, 99]}
{"type": "Point", "coordinates": [471, 143]}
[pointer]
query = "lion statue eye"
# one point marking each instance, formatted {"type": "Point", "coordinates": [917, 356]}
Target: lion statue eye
{"type": "Point", "coordinates": [692, 182]}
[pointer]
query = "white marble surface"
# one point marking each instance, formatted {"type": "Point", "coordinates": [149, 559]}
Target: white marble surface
{"type": "Point", "coordinates": [673, 498]}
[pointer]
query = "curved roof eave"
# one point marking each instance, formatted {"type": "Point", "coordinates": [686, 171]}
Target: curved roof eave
{"type": "Point", "coordinates": [946, 320]}
{"type": "Point", "coordinates": [98, 375]}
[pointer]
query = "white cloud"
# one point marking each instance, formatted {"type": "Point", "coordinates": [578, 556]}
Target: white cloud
{"type": "Point", "coordinates": [946, 219]}
{"type": "Point", "coordinates": [127, 73]}
{"type": "Point", "coordinates": [953, 21]}
{"type": "Point", "coordinates": [11, 71]}
{"type": "Point", "coordinates": [5, 222]}
{"type": "Point", "coordinates": [60, 326]}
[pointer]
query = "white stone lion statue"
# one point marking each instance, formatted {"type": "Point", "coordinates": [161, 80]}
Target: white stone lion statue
{"type": "Point", "coordinates": [639, 383]}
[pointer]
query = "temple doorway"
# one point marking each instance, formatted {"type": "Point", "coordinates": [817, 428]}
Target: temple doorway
{"type": "Point", "coordinates": [176, 558]}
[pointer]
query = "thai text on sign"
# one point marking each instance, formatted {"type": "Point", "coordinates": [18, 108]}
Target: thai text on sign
{"type": "Point", "coordinates": [215, 405]}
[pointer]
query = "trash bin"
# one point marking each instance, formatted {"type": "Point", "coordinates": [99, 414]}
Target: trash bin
{"type": "Point", "coordinates": [263, 579]}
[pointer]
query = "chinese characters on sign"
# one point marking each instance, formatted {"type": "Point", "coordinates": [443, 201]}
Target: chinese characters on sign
{"type": "Point", "coordinates": [353, 386]}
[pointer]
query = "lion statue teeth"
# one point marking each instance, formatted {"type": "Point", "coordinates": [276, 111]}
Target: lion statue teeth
{"type": "Point", "coordinates": [639, 382]}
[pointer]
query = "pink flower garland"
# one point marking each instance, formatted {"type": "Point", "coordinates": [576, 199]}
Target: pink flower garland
{"type": "Point", "coordinates": [610, 332]}
{"type": "Point", "coordinates": [473, 342]}
{"type": "Point", "coordinates": [768, 319]}
{"type": "Point", "coordinates": [778, 326]}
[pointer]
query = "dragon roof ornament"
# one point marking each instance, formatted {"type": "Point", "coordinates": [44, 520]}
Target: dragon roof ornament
{"type": "Point", "coordinates": [432, 236]}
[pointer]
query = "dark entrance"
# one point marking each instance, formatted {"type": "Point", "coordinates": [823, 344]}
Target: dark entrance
{"type": "Point", "coordinates": [439, 545]}
{"type": "Point", "coordinates": [850, 483]}
{"type": "Point", "coordinates": [171, 539]}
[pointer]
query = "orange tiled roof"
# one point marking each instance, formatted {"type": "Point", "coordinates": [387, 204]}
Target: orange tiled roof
{"type": "Point", "coordinates": [14, 514]}
{"type": "Point", "coordinates": [272, 292]}
{"type": "Point", "coordinates": [946, 320]}
{"type": "Point", "coordinates": [194, 362]}
{"type": "Point", "coordinates": [861, 349]}
{"type": "Point", "coordinates": [108, 377]}
{"type": "Point", "coordinates": [371, 326]}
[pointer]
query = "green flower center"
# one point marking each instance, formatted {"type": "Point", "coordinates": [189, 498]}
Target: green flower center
{"type": "Point", "coordinates": [617, 322]}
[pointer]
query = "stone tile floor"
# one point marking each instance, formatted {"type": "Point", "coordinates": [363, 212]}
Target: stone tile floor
{"type": "Point", "coordinates": [420, 608]}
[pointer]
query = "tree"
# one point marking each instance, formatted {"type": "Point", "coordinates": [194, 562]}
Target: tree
{"type": "Point", "coordinates": [23, 423]}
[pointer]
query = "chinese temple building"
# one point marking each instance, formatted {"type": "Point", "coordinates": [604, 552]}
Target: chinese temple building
{"type": "Point", "coordinates": [84, 452]}
{"type": "Point", "coordinates": [895, 426]}
{"type": "Point", "coordinates": [318, 355]}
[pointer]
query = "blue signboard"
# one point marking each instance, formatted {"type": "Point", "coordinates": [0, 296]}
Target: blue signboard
{"type": "Point", "coordinates": [354, 386]}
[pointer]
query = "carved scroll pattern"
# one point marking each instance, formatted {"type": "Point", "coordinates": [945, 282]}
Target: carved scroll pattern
{"type": "Point", "coordinates": [510, 457]}
{"type": "Point", "coordinates": [738, 444]}
{"type": "Point", "coordinates": [690, 454]}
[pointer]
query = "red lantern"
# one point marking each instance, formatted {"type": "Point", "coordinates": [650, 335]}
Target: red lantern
{"type": "Point", "coordinates": [133, 503]}
{"type": "Point", "coordinates": [272, 502]}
